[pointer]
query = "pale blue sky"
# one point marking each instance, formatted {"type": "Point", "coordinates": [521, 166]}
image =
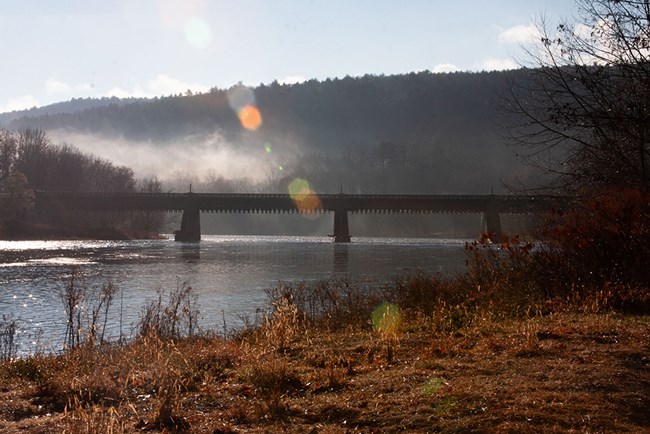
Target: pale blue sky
{"type": "Point", "coordinates": [56, 50]}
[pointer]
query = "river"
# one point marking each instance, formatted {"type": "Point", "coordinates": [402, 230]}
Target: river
{"type": "Point", "coordinates": [228, 274]}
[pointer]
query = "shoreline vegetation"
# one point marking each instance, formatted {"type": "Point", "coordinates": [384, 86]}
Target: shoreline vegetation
{"type": "Point", "coordinates": [501, 347]}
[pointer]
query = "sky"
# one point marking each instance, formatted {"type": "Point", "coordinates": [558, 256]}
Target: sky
{"type": "Point", "coordinates": [53, 51]}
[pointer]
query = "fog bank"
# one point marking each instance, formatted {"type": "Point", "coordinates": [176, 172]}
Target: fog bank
{"type": "Point", "coordinates": [198, 157]}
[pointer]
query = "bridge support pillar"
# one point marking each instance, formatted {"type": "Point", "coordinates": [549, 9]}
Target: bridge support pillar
{"type": "Point", "coordinates": [190, 226]}
{"type": "Point", "coordinates": [341, 228]}
{"type": "Point", "coordinates": [493, 221]}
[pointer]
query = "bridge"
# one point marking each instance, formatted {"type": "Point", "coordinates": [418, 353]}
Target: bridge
{"type": "Point", "coordinates": [192, 204]}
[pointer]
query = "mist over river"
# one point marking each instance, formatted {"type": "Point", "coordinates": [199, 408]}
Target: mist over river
{"type": "Point", "coordinates": [229, 274]}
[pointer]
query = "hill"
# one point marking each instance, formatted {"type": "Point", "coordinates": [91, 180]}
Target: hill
{"type": "Point", "coordinates": [74, 105]}
{"type": "Point", "coordinates": [414, 133]}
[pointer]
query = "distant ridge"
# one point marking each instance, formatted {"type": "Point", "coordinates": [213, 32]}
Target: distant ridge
{"type": "Point", "coordinates": [321, 114]}
{"type": "Point", "coordinates": [418, 133]}
{"type": "Point", "coordinates": [71, 106]}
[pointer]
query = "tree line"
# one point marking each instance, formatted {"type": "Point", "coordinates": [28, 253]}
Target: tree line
{"type": "Point", "coordinates": [29, 161]}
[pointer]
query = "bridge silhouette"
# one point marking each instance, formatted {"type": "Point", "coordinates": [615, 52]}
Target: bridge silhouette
{"type": "Point", "coordinates": [192, 204]}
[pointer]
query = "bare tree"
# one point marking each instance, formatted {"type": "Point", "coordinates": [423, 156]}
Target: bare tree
{"type": "Point", "coordinates": [585, 97]}
{"type": "Point", "coordinates": [8, 150]}
{"type": "Point", "coordinates": [149, 221]}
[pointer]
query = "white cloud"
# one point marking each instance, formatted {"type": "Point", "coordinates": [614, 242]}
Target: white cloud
{"type": "Point", "coordinates": [59, 89]}
{"type": "Point", "coordinates": [20, 103]}
{"type": "Point", "coordinates": [121, 93]}
{"type": "Point", "coordinates": [54, 86]}
{"type": "Point", "coordinates": [520, 34]}
{"type": "Point", "coordinates": [166, 85]}
{"type": "Point", "coordinates": [583, 31]}
{"type": "Point", "coordinates": [161, 85]}
{"type": "Point", "coordinates": [445, 67]}
{"type": "Point", "coordinates": [496, 64]}
{"type": "Point", "coordinates": [292, 79]}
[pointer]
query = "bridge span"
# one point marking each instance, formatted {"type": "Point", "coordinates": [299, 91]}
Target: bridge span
{"type": "Point", "coordinates": [192, 204]}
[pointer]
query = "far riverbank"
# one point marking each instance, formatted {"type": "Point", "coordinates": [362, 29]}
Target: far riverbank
{"type": "Point", "coordinates": [31, 232]}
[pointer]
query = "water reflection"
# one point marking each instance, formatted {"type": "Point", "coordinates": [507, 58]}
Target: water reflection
{"type": "Point", "coordinates": [190, 252]}
{"type": "Point", "coordinates": [341, 257]}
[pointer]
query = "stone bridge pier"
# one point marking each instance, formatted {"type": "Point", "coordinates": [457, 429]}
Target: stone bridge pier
{"type": "Point", "coordinates": [341, 227]}
{"type": "Point", "coordinates": [190, 230]}
{"type": "Point", "coordinates": [492, 220]}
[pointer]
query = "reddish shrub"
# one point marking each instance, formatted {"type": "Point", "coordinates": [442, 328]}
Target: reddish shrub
{"type": "Point", "coordinates": [603, 242]}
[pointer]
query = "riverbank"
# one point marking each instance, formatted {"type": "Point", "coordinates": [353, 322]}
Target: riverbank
{"type": "Point", "coordinates": [30, 232]}
{"type": "Point", "coordinates": [571, 372]}
{"type": "Point", "coordinates": [498, 348]}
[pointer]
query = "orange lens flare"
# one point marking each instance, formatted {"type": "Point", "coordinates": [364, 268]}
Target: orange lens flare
{"type": "Point", "coordinates": [250, 117]}
{"type": "Point", "coordinates": [303, 196]}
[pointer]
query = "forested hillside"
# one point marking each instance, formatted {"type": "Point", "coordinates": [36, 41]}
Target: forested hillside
{"type": "Point", "coordinates": [414, 133]}
{"type": "Point", "coordinates": [74, 105]}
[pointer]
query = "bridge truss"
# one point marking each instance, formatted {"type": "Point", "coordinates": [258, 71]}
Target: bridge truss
{"type": "Point", "coordinates": [192, 204]}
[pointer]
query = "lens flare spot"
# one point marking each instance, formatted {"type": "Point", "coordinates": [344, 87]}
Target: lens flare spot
{"type": "Point", "coordinates": [267, 148]}
{"type": "Point", "coordinates": [387, 318]}
{"type": "Point", "coordinates": [239, 97]}
{"type": "Point", "coordinates": [250, 117]}
{"type": "Point", "coordinates": [303, 196]}
{"type": "Point", "coordinates": [281, 169]}
{"type": "Point", "coordinates": [198, 33]}
{"type": "Point", "coordinates": [431, 386]}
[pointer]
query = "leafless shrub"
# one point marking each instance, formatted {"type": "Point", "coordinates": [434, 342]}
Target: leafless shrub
{"type": "Point", "coordinates": [86, 310]}
{"type": "Point", "coordinates": [174, 319]}
{"type": "Point", "coordinates": [8, 345]}
{"type": "Point", "coordinates": [72, 296]}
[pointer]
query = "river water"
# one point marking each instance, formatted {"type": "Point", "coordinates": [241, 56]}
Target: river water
{"type": "Point", "coordinates": [229, 275]}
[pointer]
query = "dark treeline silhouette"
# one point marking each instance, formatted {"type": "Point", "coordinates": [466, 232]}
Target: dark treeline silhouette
{"type": "Point", "coordinates": [74, 105]}
{"type": "Point", "coordinates": [29, 161]}
{"type": "Point", "coordinates": [60, 167]}
{"type": "Point", "coordinates": [414, 133]}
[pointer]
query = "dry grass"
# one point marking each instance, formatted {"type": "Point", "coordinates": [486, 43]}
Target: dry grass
{"type": "Point", "coordinates": [567, 372]}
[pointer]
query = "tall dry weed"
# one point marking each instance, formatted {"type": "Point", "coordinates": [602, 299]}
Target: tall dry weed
{"type": "Point", "coordinates": [8, 345]}
{"type": "Point", "coordinates": [283, 325]}
{"type": "Point", "coordinates": [96, 419]}
{"type": "Point", "coordinates": [171, 315]}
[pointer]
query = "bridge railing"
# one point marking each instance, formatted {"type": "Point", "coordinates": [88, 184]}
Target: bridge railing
{"type": "Point", "coordinates": [275, 202]}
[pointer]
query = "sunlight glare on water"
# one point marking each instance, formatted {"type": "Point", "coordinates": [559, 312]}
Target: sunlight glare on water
{"type": "Point", "coordinates": [52, 245]}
